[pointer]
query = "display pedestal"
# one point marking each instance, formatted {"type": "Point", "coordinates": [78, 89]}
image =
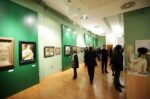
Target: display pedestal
{"type": "Point", "coordinates": [138, 86]}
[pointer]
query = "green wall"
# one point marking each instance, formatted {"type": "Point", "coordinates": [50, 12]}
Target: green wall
{"type": "Point", "coordinates": [101, 41]}
{"type": "Point", "coordinates": [90, 40]}
{"type": "Point", "coordinates": [94, 42]}
{"type": "Point", "coordinates": [12, 25]}
{"type": "Point", "coordinates": [68, 38]}
{"type": "Point", "coordinates": [136, 26]}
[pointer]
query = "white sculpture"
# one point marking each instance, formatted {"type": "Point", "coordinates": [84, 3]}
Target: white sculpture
{"type": "Point", "coordinates": [135, 65]}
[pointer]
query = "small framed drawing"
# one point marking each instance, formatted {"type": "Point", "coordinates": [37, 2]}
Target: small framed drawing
{"type": "Point", "coordinates": [57, 51]}
{"type": "Point", "coordinates": [82, 49]}
{"type": "Point", "coordinates": [48, 51]}
{"type": "Point", "coordinates": [74, 48]}
{"type": "Point", "coordinates": [6, 53]}
{"type": "Point", "coordinates": [78, 50]}
{"type": "Point", "coordinates": [67, 50]}
{"type": "Point", "coordinates": [27, 52]}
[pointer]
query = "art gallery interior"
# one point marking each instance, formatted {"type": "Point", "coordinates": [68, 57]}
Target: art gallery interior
{"type": "Point", "coordinates": [49, 31]}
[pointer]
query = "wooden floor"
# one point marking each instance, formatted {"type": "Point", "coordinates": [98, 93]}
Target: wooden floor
{"type": "Point", "coordinates": [62, 86]}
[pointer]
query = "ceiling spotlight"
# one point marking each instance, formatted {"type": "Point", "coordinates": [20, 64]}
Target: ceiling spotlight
{"type": "Point", "coordinates": [84, 17]}
{"type": "Point", "coordinates": [96, 26]}
{"type": "Point", "coordinates": [128, 5]}
{"type": "Point", "coordinates": [68, 2]}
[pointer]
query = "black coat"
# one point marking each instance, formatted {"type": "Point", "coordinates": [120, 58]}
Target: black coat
{"type": "Point", "coordinates": [90, 57]}
{"type": "Point", "coordinates": [75, 61]}
{"type": "Point", "coordinates": [104, 53]}
{"type": "Point", "coordinates": [117, 61]}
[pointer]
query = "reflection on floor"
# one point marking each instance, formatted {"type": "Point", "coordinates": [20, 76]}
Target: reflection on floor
{"type": "Point", "coordinates": [62, 86]}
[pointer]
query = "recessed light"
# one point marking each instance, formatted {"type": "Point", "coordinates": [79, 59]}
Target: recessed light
{"type": "Point", "coordinates": [128, 5]}
{"type": "Point", "coordinates": [96, 26]}
{"type": "Point", "coordinates": [84, 17]}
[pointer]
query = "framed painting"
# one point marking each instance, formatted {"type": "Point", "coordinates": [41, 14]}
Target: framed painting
{"type": "Point", "coordinates": [74, 48]}
{"type": "Point", "coordinates": [48, 51]}
{"type": "Point", "coordinates": [27, 52]}
{"type": "Point", "coordinates": [67, 50]}
{"type": "Point", "coordinates": [57, 51]}
{"type": "Point", "coordinates": [78, 50]}
{"type": "Point", "coordinates": [6, 53]}
{"type": "Point", "coordinates": [82, 49]}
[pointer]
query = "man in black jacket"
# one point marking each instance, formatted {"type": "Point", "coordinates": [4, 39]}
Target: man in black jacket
{"type": "Point", "coordinates": [117, 63]}
{"type": "Point", "coordinates": [104, 53]}
{"type": "Point", "coordinates": [90, 57]}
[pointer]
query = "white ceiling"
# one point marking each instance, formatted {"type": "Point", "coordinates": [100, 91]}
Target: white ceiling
{"type": "Point", "coordinates": [103, 15]}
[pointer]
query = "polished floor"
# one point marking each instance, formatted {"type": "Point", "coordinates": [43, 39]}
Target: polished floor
{"type": "Point", "coordinates": [62, 86]}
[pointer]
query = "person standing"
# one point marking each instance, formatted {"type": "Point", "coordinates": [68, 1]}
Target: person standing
{"type": "Point", "coordinates": [112, 68]}
{"type": "Point", "coordinates": [117, 62]}
{"type": "Point", "coordinates": [104, 53]}
{"type": "Point", "coordinates": [75, 64]}
{"type": "Point", "coordinates": [91, 63]}
{"type": "Point", "coordinates": [85, 54]}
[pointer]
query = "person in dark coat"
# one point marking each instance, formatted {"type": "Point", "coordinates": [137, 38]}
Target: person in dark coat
{"type": "Point", "coordinates": [85, 54]}
{"type": "Point", "coordinates": [117, 62]}
{"type": "Point", "coordinates": [104, 54]}
{"type": "Point", "coordinates": [90, 56]}
{"type": "Point", "coordinates": [75, 64]}
{"type": "Point", "coordinates": [112, 68]}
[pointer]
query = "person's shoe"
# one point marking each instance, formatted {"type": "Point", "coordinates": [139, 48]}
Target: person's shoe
{"type": "Point", "coordinates": [113, 74]}
{"type": "Point", "coordinates": [91, 82]}
{"type": "Point", "coordinates": [102, 72]}
{"type": "Point", "coordinates": [119, 89]}
{"type": "Point", "coordinates": [74, 77]}
{"type": "Point", "coordinates": [122, 86]}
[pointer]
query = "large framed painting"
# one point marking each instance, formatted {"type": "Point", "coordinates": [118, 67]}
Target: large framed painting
{"type": "Point", "coordinates": [74, 48]}
{"type": "Point", "coordinates": [67, 50]}
{"type": "Point", "coordinates": [27, 52]}
{"type": "Point", "coordinates": [6, 53]}
{"type": "Point", "coordinates": [48, 51]}
{"type": "Point", "coordinates": [57, 51]}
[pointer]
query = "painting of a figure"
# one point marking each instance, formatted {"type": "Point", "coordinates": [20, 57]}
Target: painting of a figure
{"type": "Point", "coordinates": [27, 52]}
{"type": "Point", "coordinates": [67, 50]}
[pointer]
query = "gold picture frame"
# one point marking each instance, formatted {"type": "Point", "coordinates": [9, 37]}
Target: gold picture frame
{"type": "Point", "coordinates": [6, 53]}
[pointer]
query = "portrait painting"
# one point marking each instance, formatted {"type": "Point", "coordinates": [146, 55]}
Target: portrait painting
{"type": "Point", "coordinates": [48, 51]}
{"type": "Point", "coordinates": [6, 53]}
{"type": "Point", "coordinates": [74, 48]}
{"type": "Point", "coordinates": [27, 52]}
{"type": "Point", "coordinates": [78, 50]}
{"type": "Point", "coordinates": [82, 49]}
{"type": "Point", "coordinates": [67, 50]}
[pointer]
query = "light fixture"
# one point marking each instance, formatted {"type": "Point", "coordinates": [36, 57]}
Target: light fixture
{"type": "Point", "coordinates": [96, 26]}
{"type": "Point", "coordinates": [68, 2]}
{"type": "Point", "coordinates": [84, 17]}
{"type": "Point", "coordinates": [128, 5]}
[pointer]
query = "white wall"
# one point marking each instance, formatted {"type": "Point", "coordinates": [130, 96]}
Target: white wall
{"type": "Point", "coordinates": [80, 43]}
{"type": "Point", "coordinates": [49, 34]}
{"type": "Point", "coordinates": [114, 39]}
